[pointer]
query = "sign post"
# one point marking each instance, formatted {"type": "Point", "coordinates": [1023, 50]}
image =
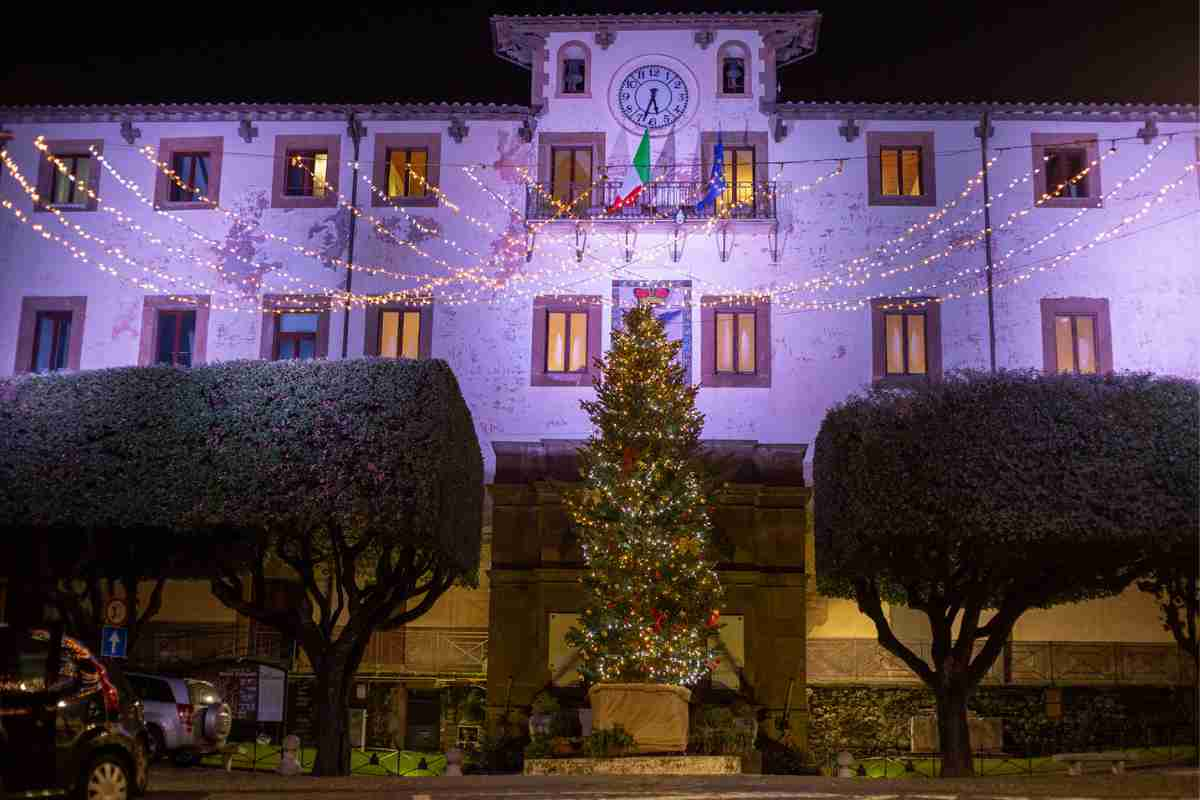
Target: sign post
{"type": "Point", "coordinates": [113, 641]}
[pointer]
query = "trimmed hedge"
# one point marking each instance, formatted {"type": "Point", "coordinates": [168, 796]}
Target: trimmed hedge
{"type": "Point", "coordinates": [245, 445]}
{"type": "Point", "coordinates": [1044, 485]}
{"type": "Point", "coordinates": [864, 718]}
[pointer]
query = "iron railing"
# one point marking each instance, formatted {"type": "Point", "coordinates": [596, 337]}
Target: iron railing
{"type": "Point", "coordinates": [660, 200]}
{"type": "Point", "coordinates": [164, 644]}
{"type": "Point", "coordinates": [421, 652]}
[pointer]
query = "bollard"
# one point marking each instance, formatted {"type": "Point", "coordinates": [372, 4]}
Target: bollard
{"type": "Point", "coordinates": [844, 760]}
{"type": "Point", "coordinates": [454, 761]}
{"type": "Point", "coordinates": [288, 764]}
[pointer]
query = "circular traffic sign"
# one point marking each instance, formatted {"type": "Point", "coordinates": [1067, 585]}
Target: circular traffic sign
{"type": "Point", "coordinates": [115, 611]}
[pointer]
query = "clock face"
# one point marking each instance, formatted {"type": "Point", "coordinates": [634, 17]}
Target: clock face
{"type": "Point", "coordinates": [652, 96]}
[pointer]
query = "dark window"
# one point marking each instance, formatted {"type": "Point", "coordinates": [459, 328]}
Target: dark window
{"type": "Point", "coordinates": [900, 171]}
{"type": "Point", "coordinates": [176, 338]}
{"type": "Point", "coordinates": [570, 173]}
{"type": "Point", "coordinates": [1063, 164]}
{"type": "Point", "coordinates": [566, 341]}
{"type": "Point", "coordinates": [739, 177]}
{"type": "Point", "coordinates": [151, 690]}
{"type": "Point", "coordinates": [1075, 343]}
{"type": "Point", "coordinates": [67, 192]}
{"type": "Point", "coordinates": [735, 342]}
{"type": "Point", "coordinates": [296, 335]}
{"type": "Point", "coordinates": [408, 171]}
{"type": "Point", "coordinates": [52, 340]}
{"type": "Point", "coordinates": [192, 169]}
{"type": "Point", "coordinates": [904, 344]}
{"type": "Point", "coordinates": [574, 76]}
{"type": "Point", "coordinates": [306, 171]}
{"type": "Point", "coordinates": [733, 75]}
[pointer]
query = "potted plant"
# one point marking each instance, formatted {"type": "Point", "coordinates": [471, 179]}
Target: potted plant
{"type": "Point", "coordinates": [642, 516]}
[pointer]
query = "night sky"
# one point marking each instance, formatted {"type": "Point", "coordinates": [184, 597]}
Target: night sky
{"type": "Point", "coordinates": [913, 51]}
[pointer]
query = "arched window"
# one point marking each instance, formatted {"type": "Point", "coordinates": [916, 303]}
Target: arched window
{"type": "Point", "coordinates": [733, 70]}
{"type": "Point", "coordinates": [574, 70]}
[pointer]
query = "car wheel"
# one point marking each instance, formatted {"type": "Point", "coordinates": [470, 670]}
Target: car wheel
{"type": "Point", "coordinates": [156, 744]}
{"type": "Point", "coordinates": [107, 778]}
{"type": "Point", "coordinates": [185, 758]}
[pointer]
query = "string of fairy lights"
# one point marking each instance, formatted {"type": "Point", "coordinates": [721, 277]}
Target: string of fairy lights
{"type": "Point", "coordinates": [485, 277]}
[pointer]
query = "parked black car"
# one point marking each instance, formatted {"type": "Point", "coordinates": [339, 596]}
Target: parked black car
{"type": "Point", "coordinates": [67, 723]}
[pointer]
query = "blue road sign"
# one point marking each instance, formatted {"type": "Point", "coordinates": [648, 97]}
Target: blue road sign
{"type": "Point", "coordinates": [113, 641]}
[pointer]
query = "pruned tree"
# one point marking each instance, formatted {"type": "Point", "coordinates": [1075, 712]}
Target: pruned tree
{"type": "Point", "coordinates": [980, 497]}
{"type": "Point", "coordinates": [360, 481]}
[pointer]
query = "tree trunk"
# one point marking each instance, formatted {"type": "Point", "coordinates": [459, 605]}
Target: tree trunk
{"type": "Point", "coordinates": [335, 670]}
{"type": "Point", "coordinates": [953, 734]}
{"type": "Point", "coordinates": [333, 714]}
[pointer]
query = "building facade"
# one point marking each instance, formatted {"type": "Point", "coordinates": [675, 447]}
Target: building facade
{"type": "Point", "coordinates": [799, 250]}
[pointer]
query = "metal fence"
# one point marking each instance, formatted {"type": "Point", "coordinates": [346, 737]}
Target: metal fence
{"type": "Point", "coordinates": [163, 644]}
{"type": "Point", "coordinates": [659, 200]}
{"type": "Point", "coordinates": [1064, 663]}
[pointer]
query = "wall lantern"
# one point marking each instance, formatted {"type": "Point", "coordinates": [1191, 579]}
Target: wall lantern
{"type": "Point", "coordinates": [630, 237]}
{"type": "Point", "coordinates": [581, 238]}
{"type": "Point", "coordinates": [530, 238]}
{"type": "Point", "coordinates": [724, 242]}
{"type": "Point", "coordinates": [678, 236]}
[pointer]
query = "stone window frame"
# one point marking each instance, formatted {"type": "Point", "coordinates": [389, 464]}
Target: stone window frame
{"type": "Point", "coordinates": [568, 303]}
{"type": "Point", "coordinates": [272, 304]}
{"type": "Point", "coordinates": [759, 140]}
{"type": "Point", "coordinates": [880, 139]}
{"type": "Point", "coordinates": [547, 141]}
{"type": "Point", "coordinates": [27, 328]}
{"type": "Point", "coordinates": [1096, 307]}
{"type": "Point", "coordinates": [154, 303]}
{"type": "Point", "coordinates": [724, 50]}
{"type": "Point", "coordinates": [432, 144]}
{"type": "Point", "coordinates": [932, 310]}
{"type": "Point", "coordinates": [1090, 143]}
{"type": "Point", "coordinates": [47, 170]}
{"type": "Point", "coordinates": [710, 306]}
{"type": "Point", "coordinates": [167, 148]}
{"type": "Point", "coordinates": [332, 144]}
{"type": "Point", "coordinates": [559, 72]}
{"type": "Point", "coordinates": [373, 321]}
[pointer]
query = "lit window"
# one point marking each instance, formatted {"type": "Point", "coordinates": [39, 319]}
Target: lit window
{"type": "Point", "coordinates": [67, 192]}
{"type": "Point", "coordinates": [735, 342]}
{"type": "Point", "coordinates": [296, 335]}
{"type": "Point", "coordinates": [192, 169]}
{"type": "Point", "coordinates": [1062, 165]}
{"type": "Point", "coordinates": [408, 172]}
{"type": "Point", "coordinates": [904, 344]}
{"type": "Point", "coordinates": [1075, 343]}
{"type": "Point", "coordinates": [900, 171]}
{"type": "Point", "coordinates": [176, 338]}
{"type": "Point", "coordinates": [739, 180]}
{"type": "Point", "coordinates": [566, 341]}
{"type": "Point", "coordinates": [570, 174]}
{"type": "Point", "coordinates": [400, 334]}
{"type": "Point", "coordinates": [52, 341]}
{"type": "Point", "coordinates": [306, 171]}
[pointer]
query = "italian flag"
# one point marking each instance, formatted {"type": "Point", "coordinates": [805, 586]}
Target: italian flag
{"type": "Point", "coordinates": [636, 178]}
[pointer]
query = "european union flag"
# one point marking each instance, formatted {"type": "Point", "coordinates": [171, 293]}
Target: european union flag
{"type": "Point", "coordinates": [716, 181]}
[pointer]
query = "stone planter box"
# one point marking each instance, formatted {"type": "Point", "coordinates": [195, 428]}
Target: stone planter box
{"type": "Point", "coordinates": [655, 715]}
{"type": "Point", "coordinates": [636, 765]}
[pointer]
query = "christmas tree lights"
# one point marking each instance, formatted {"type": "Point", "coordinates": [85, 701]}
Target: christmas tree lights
{"type": "Point", "coordinates": [653, 595]}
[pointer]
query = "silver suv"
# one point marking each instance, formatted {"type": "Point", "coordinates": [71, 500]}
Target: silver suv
{"type": "Point", "coordinates": [184, 717]}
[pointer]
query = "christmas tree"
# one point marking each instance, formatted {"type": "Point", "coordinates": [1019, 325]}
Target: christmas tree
{"type": "Point", "coordinates": [642, 515]}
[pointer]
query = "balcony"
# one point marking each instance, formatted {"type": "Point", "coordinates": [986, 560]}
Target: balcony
{"type": "Point", "coordinates": [660, 200]}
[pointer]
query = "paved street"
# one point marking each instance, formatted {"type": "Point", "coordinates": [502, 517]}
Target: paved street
{"type": "Point", "coordinates": [203, 784]}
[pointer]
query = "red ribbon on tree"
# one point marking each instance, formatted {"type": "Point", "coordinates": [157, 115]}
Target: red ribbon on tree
{"type": "Point", "coordinates": [714, 618]}
{"type": "Point", "coordinates": [659, 617]}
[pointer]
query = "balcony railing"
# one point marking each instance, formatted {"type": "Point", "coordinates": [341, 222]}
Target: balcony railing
{"type": "Point", "coordinates": [660, 200]}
